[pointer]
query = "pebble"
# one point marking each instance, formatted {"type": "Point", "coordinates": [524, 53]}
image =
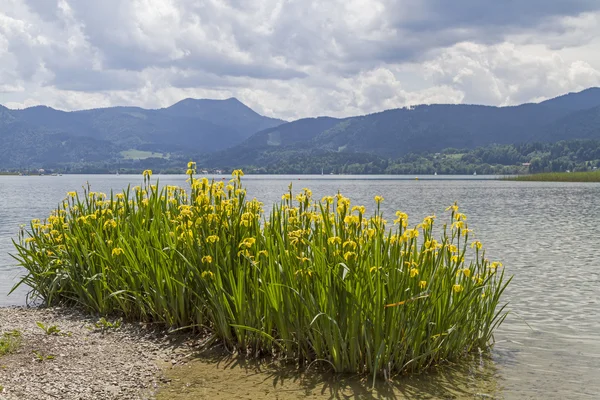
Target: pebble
{"type": "Point", "coordinates": [87, 364]}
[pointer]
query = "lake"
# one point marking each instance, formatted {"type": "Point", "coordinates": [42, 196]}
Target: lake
{"type": "Point", "coordinates": [546, 235]}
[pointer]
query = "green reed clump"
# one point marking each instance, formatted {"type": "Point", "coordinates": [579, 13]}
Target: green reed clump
{"type": "Point", "coordinates": [314, 281]}
{"type": "Point", "coordinates": [586, 176]}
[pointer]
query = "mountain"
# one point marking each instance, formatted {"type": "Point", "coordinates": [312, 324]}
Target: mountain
{"type": "Point", "coordinates": [583, 100]}
{"type": "Point", "coordinates": [228, 134]}
{"type": "Point", "coordinates": [425, 128]}
{"type": "Point", "coordinates": [23, 147]}
{"type": "Point", "coordinates": [230, 113]}
{"type": "Point", "coordinates": [5, 115]}
{"type": "Point", "coordinates": [187, 126]}
{"type": "Point", "coordinates": [584, 124]}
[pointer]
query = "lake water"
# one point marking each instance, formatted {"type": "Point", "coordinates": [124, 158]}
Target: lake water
{"type": "Point", "coordinates": [546, 234]}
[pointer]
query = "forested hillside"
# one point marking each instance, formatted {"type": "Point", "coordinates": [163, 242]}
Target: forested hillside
{"type": "Point", "coordinates": [226, 134]}
{"type": "Point", "coordinates": [427, 128]}
{"type": "Point", "coordinates": [113, 133]}
{"type": "Point", "coordinates": [574, 155]}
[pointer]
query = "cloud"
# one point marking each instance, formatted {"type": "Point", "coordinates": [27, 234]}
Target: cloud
{"type": "Point", "coordinates": [506, 74]}
{"type": "Point", "coordinates": [292, 59]}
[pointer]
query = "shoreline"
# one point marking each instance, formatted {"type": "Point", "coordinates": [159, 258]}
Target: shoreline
{"type": "Point", "coordinates": [137, 361]}
{"type": "Point", "coordinates": [83, 360]}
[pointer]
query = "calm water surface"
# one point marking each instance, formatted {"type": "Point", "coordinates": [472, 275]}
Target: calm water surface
{"type": "Point", "coordinates": [546, 234]}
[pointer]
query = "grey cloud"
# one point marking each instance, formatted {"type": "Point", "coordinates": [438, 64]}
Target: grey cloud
{"type": "Point", "coordinates": [126, 44]}
{"type": "Point", "coordinates": [47, 10]}
{"type": "Point", "coordinates": [87, 80]}
{"type": "Point", "coordinates": [437, 24]}
{"type": "Point", "coordinates": [510, 14]}
{"type": "Point", "coordinates": [200, 78]}
{"type": "Point", "coordinates": [304, 33]}
{"type": "Point", "coordinates": [309, 56]}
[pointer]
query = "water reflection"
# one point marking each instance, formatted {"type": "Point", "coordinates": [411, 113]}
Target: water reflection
{"type": "Point", "coordinates": [217, 375]}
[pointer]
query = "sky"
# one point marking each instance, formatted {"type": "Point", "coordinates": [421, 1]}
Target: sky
{"type": "Point", "coordinates": [296, 58]}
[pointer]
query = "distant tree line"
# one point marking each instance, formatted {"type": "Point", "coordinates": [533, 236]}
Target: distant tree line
{"type": "Point", "coordinates": [572, 155]}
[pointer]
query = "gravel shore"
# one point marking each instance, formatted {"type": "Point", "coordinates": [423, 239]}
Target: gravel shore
{"type": "Point", "coordinates": [81, 360]}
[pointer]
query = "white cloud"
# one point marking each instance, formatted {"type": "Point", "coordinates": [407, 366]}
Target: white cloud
{"type": "Point", "coordinates": [506, 74]}
{"type": "Point", "coordinates": [295, 59]}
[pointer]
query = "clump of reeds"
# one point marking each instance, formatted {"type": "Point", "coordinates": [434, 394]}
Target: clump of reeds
{"type": "Point", "coordinates": [587, 176]}
{"type": "Point", "coordinates": [313, 281]}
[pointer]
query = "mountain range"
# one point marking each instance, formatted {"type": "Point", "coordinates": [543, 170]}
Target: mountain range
{"type": "Point", "coordinates": [228, 134]}
{"type": "Point", "coordinates": [41, 135]}
{"type": "Point", "coordinates": [424, 128]}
